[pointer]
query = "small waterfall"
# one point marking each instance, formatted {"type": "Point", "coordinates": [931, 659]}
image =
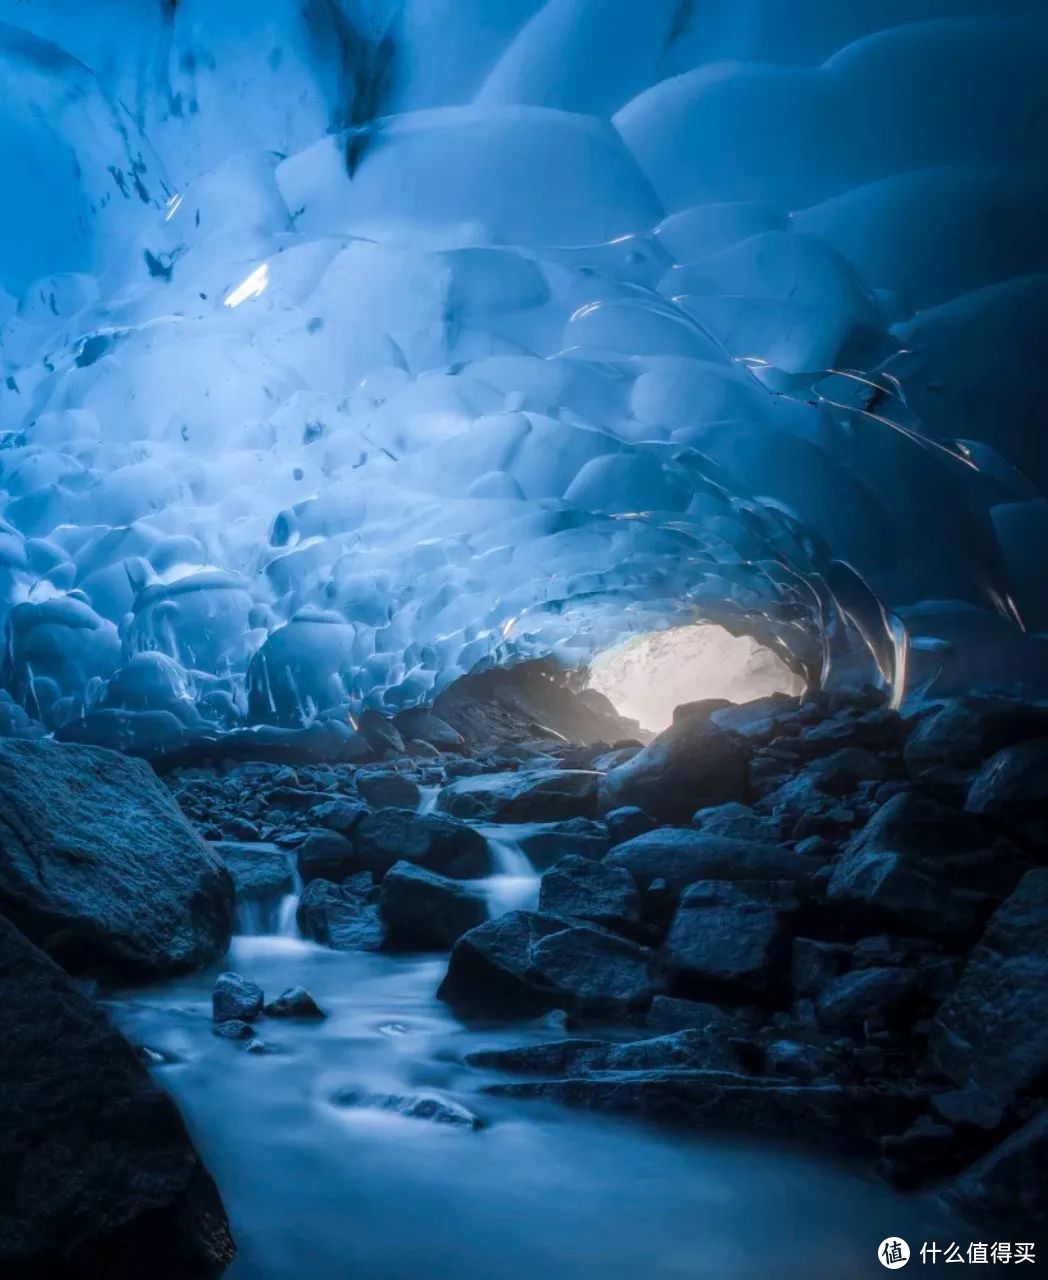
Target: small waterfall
{"type": "Point", "coordinates": [428, 803]}
{"type": "Point", "coordinates": [514, 885]}
{"type": "Point", "coordinates": [287, 923]}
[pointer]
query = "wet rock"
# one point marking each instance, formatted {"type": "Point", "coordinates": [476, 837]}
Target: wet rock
{"type": "Point", "coordinates": [388, 791]}
{"type": "Point", "coordinates": [381, 734]}
{"type": "Point", "coordinates": [261, 872]}
{"type": "Point", "coordinates": [738, 822]}
{"type": "Point", "coordinates": [690, 1049]}
{"type": "Point", "coordinates": [691, 765]}
{"type": "Point", "coordinates": [424, 911]}
{"type": "Point", "coordinates": [523, 963]}
{"type": "Point", "coordinates": [421, 724]}
{"type": "Point", "coordinates": [295, 1002]}
{"type": "Point", "coordinates": [680, 856]}
{"type": "Point", "coordinates": [340, 816]}
{"type": "Point", "coordinates": [581, 889]}
{"type": "Point", "coordinates": [340, 917]}
{"type": "Point", "coordinates": [99, 867]}
{"type": "Point", "coordinates": [99, 1177]}
{"type": "Point", "coordinates": [993, 1030]}
{"type": "Point", "coordinates": [761, 720]}
{"type": "Point", "coordinates": [841, 772]}
{"type": "Point", "coordinates": [814, 965]}
{"type": "Point", "coordinates": [964, 732]}
{"type": "Point", "coordinates": [233, 1029]}
{"type": "Point", "coordinates": [235, 998]}
{"type": "Point", "coordinates": [671, 1013]}
{"type": "Point", "coordinates": [1010, 1184]}
{"type": "Point", "coordinates": [294, 799]}
{"type": "Point", "coordinates": [547, 843]}
{"type": "Point", "coordinates": [414, 1106]}
{"type": "Point", "coordinates": [325, 855]}
{"type": "Point", "coordinates": [625, 823]}
{"type": "Point", "coordinates": [865, 997]}
{"type": "Point", "coordinates": [433, 841]}
{"type": "Point", "coordinates": [799, 1061]}
{"type": "Point", "coordinates": [926, 1149]}
{"type": "Point", "coordinates": [731, 936]}
{"type": "Point", "coordinates": [838, 1117]}
{"type": "Point", "coordinates": [876, 730]}
{"type": "Point", "coordinates": [1011, 790]}
{"type": "Point", "coordinates": [543, 795]}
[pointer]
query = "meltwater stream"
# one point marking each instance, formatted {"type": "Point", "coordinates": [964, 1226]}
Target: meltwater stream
{"type": "Point", "coordinates": [320, 1192]}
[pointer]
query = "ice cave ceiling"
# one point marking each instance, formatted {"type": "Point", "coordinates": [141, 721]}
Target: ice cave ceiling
{"type": "Point", "coordinates": [351, 345]}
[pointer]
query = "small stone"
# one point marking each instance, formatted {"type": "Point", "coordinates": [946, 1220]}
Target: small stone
{"type": "Point", "coordinates": [233, 1029]}
{"type": "Point", "coordinates": [295, 1002]}
{"type": "Point", "coordinates": [234, 998]}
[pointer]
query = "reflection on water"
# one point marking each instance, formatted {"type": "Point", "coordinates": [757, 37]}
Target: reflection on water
{"type": "Point", "coordinates": [315, 1192]}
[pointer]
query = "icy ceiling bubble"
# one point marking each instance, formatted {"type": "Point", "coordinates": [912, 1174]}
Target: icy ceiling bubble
{"type": "Point", "coordinates": [463, 333]}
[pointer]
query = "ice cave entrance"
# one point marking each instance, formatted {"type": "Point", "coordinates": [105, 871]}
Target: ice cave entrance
{"type": "Point", "coordinates": [648, 675]}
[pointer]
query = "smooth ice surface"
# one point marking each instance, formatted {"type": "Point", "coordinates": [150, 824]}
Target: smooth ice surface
{"type": "Point", "coordinates": [356, 345]}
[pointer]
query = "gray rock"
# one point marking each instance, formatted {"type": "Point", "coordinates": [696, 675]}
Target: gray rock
{"type": "Point", "coordinates": [1011, 790]}
{"type": "Point", "coordinates": [546, 843]}
{"type": "Point", "coordinates": [690, 1049]}
{"type": "Point", "coordinates": [887, 889]}
{"type": "Point", "coordinates": [340, 917]}
{"type": "Point", "coordinates": [993, 1030]}
{"type": "Point", "coordinates": [433, 841]}
{"type": "Point", "coordinates": [738, 822]}
{"type": "Point", "coordinates": [262, 873]}
{"type": "Point", "coordinates": [731, 936]}
{"type": "Point", "coordinates": [799, 1061]}
{"type": "Point", "coordinates": [234, 998]}
{"type": "Point", "coordinates": [585, 890]}
{"type": "Point", "coordinates": [964, 732]}
{"type": "Point", "coordinates": [625, 823]}
{"type": "Point", "coordinates": [233, 1029]}
{"type": "Point", "coordinates": [325, 855]}
{"type": "Point", "coordinates": [414, 1106]}
{"type": "Point", "coordinates": [381, 734]}
{"type": "Point", "coordinates": [671, 1013]}
{"type": "Point", "coordinates": [99, 1175]}
{"type": "Point", "coordinates": [842, 771]}
{"type": "Point", "coordinates": [99, 867]}
{"type": "Point", "coordinates": [388, 790]}
{"type": "Point", "coordinates": [523, 963]}
{"type": "Point", "coordinates": [295, 1002]}
{"type": "Point", "coordinates": [1010, 1184]}
{"type": "Point", "coordinates": [814, 965]}
{"type": "Point", "coordinates": [690, 765]}
{"type": "Point", "coordinates": [539, 795]}
{"type": "Point", "coordinates": [424, 911]}
{"type": "Point", "coordinates": [419, 723]}
{"type": "Point", "coordinates": [340, 815]}
{"type": "Point", "coordinates": [864, 997]}
{"type": "Point", "coordinates": [680, 856]}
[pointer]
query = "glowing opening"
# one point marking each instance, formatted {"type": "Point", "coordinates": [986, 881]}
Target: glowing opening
{"type": "Point", "coordinates": [648, 675]}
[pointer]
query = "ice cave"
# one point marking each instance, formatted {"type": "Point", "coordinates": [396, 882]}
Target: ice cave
{"type": "Point", "coordinates": [606, 434]}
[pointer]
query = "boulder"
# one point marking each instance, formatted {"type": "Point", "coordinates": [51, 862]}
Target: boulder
{"type": "Point", "coordinates": [681, 855]}
{"type": "Point", "coordinates": [992, 1032]}
{"type": "Point", "coordinates": [339, 815]}
{"type": "Point", "coordinates": [388, 790]}
{"type": "Point", "coordinates": [340, 917]}
{"type": "Point", "coordinates": [262, 873]}
{"type": "Point", "coordinates": [99, 867]}
{"type": "Point", "coordinates": [737, 821]}
{"type": "Point", "coordinates": [625, 823]}
{"type": "Point", "coordinates": [814, 965]}
{"type": "Point", "coordinates": [424, 911]}
{"type": "Point", "coordinates": [864, 997]}
{"type": "Point", "coordinates": [430, 840]}
{"type": "Point", "coordinates": [580, 889]}
{"type": "Point", "coordinates": [671, 1013]}
{"type": "Point", "coordinates": [295, 1002]}
{"type": "Point", "coordinates": [1011, 790]}
{"type": "Point", "coordinates": [235, 999]}
{"type": "Point", "coordinates": [690, 1049]}
{"type": "Point", "coordinates": [326, 855]}
{"type": "Point", "coordinates": [381, 734]}
{"type": "Point", "coordinates": [413, 1106]}
{"type": "Point", "coordinates": [546, 843]}
{"type": "Point", "coordinates": [1010, 1183]}
{"type": "Point", "coordinates": [963, 733]}
{"type": "Point", "coordinates": [532, 795]}
{"type": "Point", "coordinates": [98, 1176]}
{"type": "Point", "coordinates": [691, 765]}
{"type": "Point", "coordinates": [731, 937]}
{"type": "Point", "coordinates": [421, 724]}
{"type": "Point", "coordinates": [523, 963]}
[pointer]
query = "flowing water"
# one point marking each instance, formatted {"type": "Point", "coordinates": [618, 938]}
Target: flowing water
{"type": "Point", "coordinates": [316, 1191]}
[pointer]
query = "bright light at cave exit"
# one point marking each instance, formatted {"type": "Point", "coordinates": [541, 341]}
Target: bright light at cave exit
{"type": "Point", "coordinates": [648, 675]}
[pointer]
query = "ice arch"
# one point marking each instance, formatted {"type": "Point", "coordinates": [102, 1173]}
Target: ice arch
{"type": "Point", "coordinates": [617, 320]}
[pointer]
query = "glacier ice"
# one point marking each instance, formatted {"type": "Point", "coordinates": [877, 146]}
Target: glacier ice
{"type": "Point", "coordinates": [351, 348]}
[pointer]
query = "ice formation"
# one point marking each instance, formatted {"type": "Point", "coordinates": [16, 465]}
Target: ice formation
{"type": "Point", "coordinates": [349, 347]}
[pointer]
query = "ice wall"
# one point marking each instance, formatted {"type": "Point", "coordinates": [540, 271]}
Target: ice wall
{"type": "Point", "coordinates": [349, 346]}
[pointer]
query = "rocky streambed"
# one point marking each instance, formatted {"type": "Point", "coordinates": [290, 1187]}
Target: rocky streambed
{"type": "Point", "coordinates": [793, 952]}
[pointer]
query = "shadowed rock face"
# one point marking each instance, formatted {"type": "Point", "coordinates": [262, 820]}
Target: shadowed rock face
{"type": "Point", "coordinates": [98, 1177]}
{"type": "Point", "coordinates": [99, 867]}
